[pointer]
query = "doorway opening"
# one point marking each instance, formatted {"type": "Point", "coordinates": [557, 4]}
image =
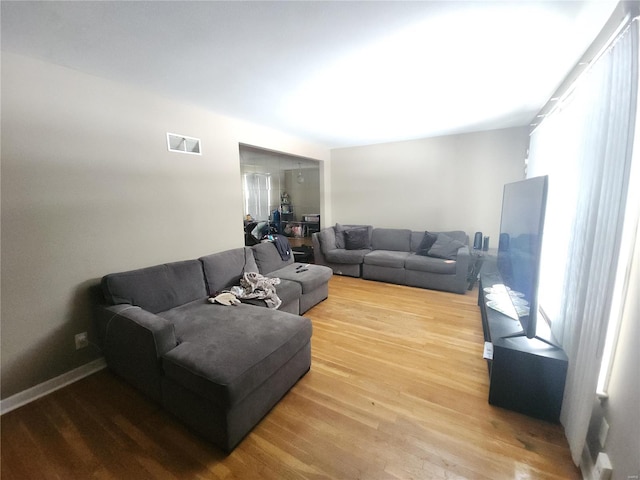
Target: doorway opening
{"type": "Point", "coordinates": [281, 194]}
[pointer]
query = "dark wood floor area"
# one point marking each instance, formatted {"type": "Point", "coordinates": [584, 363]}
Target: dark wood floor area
{"type": "Point", "coordinates": [397, 390]}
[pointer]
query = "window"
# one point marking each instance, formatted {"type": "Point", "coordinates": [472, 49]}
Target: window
{"type": "Point", "coordinates": [256, 192]}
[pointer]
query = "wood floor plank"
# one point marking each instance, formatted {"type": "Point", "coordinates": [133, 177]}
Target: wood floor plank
{"type": "Point", "coordinates": [397, 390]}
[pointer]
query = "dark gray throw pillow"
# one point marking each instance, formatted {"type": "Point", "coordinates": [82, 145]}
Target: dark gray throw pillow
{"type": "Point", "coordinates": [356, 238]}
{"type": "Point", "coordinates": [445, 247]}
{"type": "Point", "coordinates": [427, 242]}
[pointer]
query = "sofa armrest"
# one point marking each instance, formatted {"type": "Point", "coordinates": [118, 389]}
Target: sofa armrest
{"type": "Point", "coordinates": [463, 260]}
{"type": "Point", "coordinates": [133, 341]}
{"type": "Point", "coordinates": [318, 254]}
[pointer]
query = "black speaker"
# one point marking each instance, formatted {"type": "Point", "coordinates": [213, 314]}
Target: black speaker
{"type": "Point", "coordinates": [485, 244]}
{"type": "Point", "coordinates": [477, 241]}
{"type": "Point", "coordinates": [503, 242]}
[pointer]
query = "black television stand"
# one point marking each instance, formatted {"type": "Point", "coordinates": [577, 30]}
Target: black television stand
{"type": "Point", "coordinates": [526, 375]}
{"type": "Point", "coordinates": [522, 333]}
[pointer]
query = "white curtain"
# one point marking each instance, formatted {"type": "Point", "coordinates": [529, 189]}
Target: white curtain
{"type": "Point", "coordinates": [585, 146]}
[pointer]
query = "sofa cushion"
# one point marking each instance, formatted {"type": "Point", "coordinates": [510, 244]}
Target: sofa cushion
{"type": "Point", "coordinates": [340, 255]}
{"type": "Point", "coordinates": [445, 247]}
{"type": "Point", "coordinates": [225, 269]}
{"type": "Point", "coordinates": [426, 243]}
{"type": "Point", "coordinates": [227, 352]}
{"type": "Point", "coordinates": [430, 264]}
{"type": "Point", "coordinates": [313, 277]}
{"type": "Point", "coordinates": [340, 229]}
{"type": "Point", "coordinates": [157, 288]}
{"type": "Point", "coordinates": [267, 258]}
{"type": "Point", "coordinates": [397, 239]}
{"type": "Point", "coordinates": [386, 258]}
{"type": "Point", "coordinates": [356, 239]}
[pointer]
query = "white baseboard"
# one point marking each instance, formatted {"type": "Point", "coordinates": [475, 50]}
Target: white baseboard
{"type": "Point", "coordinates": [45, 388]}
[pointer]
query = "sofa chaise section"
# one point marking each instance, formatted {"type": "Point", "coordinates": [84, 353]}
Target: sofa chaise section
{"type": "Point", "coordinates": [230, 368]}
{"type": "Point", "coordinates": [219, 369]}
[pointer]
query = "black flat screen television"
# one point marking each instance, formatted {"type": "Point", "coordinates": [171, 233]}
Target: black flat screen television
{"type": "Point", "coordinates": [519, 246]}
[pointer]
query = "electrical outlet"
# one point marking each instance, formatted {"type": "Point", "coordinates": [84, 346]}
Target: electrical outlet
{"type": "Point", "coordinates": [82, 340]}
{"type": "Point", "coordinates": [604, 431]}
{"type": "Point", "coordinates": [603, 467]}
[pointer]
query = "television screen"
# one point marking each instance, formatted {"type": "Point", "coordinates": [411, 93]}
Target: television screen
{"type": "Point", "coordinates": [519, 245]}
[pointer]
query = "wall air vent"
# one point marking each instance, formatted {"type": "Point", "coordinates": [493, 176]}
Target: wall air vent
{"type": "Point", "coordinates": [183, 144]}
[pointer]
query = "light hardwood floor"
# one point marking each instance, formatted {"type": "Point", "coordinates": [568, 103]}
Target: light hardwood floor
{"type": "Point", "coordinates": [397, 390]}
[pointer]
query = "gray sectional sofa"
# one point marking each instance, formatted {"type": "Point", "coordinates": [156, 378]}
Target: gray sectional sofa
{"type": "Point", "coordinates": [218, 368]}
{"type": "Point", "coordinates": [396, 255]}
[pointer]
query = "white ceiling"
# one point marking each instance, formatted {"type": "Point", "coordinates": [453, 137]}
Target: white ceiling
{"type": "Point", "coordinates": [338, 73]}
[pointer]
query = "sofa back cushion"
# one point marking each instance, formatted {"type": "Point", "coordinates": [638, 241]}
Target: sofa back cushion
{"type": "Point", "coordinates": [225, 269]}
{"type": "Point", "coordinates": [327, 239]}
{"type": "Point", "coordinates": [395, 239]}
{"type": "Point", "coordinates": [445, 247]}
{"type": "Point", "coordinates": [157, 288]}
{"type": "Point", "coordinates": [268, 259]}
{"type": "Point", "coordinates": [458, 235]}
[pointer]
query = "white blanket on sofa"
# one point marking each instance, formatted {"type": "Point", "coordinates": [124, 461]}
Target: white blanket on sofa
{"type": "Point", "coordinates": [255, 286]}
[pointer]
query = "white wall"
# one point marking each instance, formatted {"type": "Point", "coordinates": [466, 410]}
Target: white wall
{"type": "Point", "coordinates": [446, 183]}
{"type": "Point", "coordinates": [89, 188]}
{"type": "Point", "coordinates": [621, 409]}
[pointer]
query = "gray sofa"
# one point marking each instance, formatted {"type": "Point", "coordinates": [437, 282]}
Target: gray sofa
{"type": "Point", "coordinates": [395, 255]}
{"type": "Point", "coordinates": [218, 368]}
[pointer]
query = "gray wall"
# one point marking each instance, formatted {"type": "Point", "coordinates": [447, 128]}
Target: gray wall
{"type": "Point", "coordinates": [443, 183]}
{"type": "Point", "coordinates": [89, 188]}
